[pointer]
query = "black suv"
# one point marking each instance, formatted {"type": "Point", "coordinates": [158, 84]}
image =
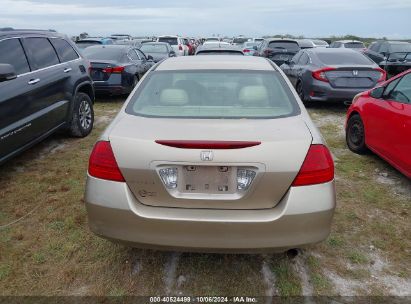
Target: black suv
{"type": "Point", "coordinates": [44, 87]}
{"type": "Point", "coordinates": [392, 56]}
{"type": "Point", "coordinates": [278, 50]}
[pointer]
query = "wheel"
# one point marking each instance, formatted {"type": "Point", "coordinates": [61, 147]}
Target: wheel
{"type": "Point", "coordinates": [300, 91]}
{"type": "Point", "coordinates": [82, 119]}
{"type": "Point", "coordinates": [355, 135]}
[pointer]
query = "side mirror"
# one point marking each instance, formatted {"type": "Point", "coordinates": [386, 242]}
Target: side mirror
{"type": "Point", "coordinates": [149, 57]}
{"type": "Point", "coordinates": [255, 48]}
{"type": "Point", "coordinates": [172, 54]}
{"type": "Point", "coordinates": [7, 72]}
{"type": "Point", "coordinates": [377, 92]}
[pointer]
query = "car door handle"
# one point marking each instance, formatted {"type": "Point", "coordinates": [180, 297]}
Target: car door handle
{"type": "Point", "coordinates": [66, 70]}
{"type": "Point", "coordinates": [34, 81]}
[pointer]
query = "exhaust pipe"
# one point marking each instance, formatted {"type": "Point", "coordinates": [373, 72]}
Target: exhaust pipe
{"type": "Point", "coordinates": [292, 253]}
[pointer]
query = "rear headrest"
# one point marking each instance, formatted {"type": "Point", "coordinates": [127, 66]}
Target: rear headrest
{"type": "Point", "coordinates": [254, 96]}
{"type": "Point", "coordinates": [173, 97]}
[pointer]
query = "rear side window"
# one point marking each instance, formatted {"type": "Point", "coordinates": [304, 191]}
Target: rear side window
{"type": "Point", "coordinates": [40, 52]}
{"type": "Point", "coordinates": [214, 94]}
{"type": "Point", "coordinates": [343, 58]}
{"type": "Point", "coordinates": [64, 50]}
{"type": "Point", "coordinates": [354, 45]}
{"type": "Point", "coordinates": [11, 52]}
{"type": "Point", "coordinates": [169, 40]}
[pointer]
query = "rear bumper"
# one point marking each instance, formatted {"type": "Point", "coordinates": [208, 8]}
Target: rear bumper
{"type": "Point", "coordinates": [324, 92]}
{"type": "Point", "coordinates": [110, 89]}
{"type": "Point", "coordinates": [303, 217]}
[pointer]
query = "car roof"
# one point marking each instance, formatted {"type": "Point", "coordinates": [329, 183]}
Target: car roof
{"type": "Point", "coordinates": [281, 39]}
{"type": "Point", "coordinates": [349, 41]}
{"type": "Point", "coordinates": [217, 62]}
{"type": "Point", "coordinates": [7, 32]}
{"type": "Point", "coordinates": [112, 46]}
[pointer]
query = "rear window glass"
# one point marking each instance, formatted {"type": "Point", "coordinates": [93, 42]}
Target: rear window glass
{"type": "Point", "coordinates": [154, 48]}
{"type": "Point", "coordinates": [64, 50]}
{"type": "Point", "coordinates": [213, 94]}
{"type": "Point", "coordinates": [169, 40]}
{"type": "Point", "coordinates": [400, 47]}
{"type": "Point", "coordinates": [355, 45]}
{"type": "Point", "coordinates": [85, 44]}
{"type": "Point", "coordinates": [290, 46]}
{"type": "Point", "coordinates": [343, 58]}
{"type": "Point", "coordinates": [101, 53]}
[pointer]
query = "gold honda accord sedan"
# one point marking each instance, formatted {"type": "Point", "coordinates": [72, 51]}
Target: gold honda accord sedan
{"type": "Point", "coordinates": [212, 153]}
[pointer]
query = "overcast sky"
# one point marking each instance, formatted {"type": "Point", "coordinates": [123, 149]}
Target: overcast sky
{"type": "Point", "coordinates": [311, 18]}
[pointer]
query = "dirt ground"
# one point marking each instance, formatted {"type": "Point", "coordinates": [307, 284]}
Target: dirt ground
{"type": "Point", "coordinates": [46, 247]}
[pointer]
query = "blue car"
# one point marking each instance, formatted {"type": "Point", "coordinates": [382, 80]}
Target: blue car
{"type": "Point", "coordinates": [250, 47]}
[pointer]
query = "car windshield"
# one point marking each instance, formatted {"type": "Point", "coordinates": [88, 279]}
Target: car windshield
{"type": "Point", "coordinates": [400, 47]}
{"type": "Point", "coordinates": [287, 45]}
{"type": "Point", "coordinates": [169, 40]}
{"type": "Point", "coordinates": [102, 53]}
{"type": "Point", "coordinates": [355, 45]}
{"type": "Point", "coordinates": [343, 58]}
{"type": "Point", "coordinates": [213, 94]}
{"type": "Point", "coordinates": [153, 48]}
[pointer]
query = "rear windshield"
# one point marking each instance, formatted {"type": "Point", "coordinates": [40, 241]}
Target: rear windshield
{"type": "Point", "coordinates": [169, 40]}
{"type": "Point", "coordinates": [355, 45]}
{"type": "Point", "coordinates": [99, 53]}
{"type": "Point", "coordinates": [153, 48]}
{"type": "Point", "coordinates": [286, 45]}
{"type": "Point", "coordinates": [343, 58]}
{"type": "Point", "coordinates": [320, 42]}
{"type": "Point", "coordinates": [400, 47]}
{"type": "Point", "coordinates": [84, 44]}
{"type": "Point", "coordinates": [239, 40]}
{"type": "Point", "coordinates": [213, 94]}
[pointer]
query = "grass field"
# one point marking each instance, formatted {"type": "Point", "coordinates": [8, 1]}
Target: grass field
{"type": "Point", "coordinates": [50, 250]}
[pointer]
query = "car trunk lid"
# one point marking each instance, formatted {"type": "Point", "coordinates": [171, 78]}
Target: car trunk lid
{"type": "Point", "coordinates": [278, 149]}
{"type": "Point", "coordinates": [353, 77]}
{"type": "Point", "coordinates": [102, 70]}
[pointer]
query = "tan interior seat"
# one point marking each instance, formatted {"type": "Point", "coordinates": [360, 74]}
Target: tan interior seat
{"type": "Point", "coordinates": [254, 96]}
{"type": "Point", "coordinates": [173, 97]}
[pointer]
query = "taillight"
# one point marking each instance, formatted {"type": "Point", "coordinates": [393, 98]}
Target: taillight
{"type": "Point", "coordinates": [246, 51]}
{"type": "Point", "coordinates": [103, 164]}
{"type": "Point", "coordinates": [114, 70]}
{"type": "Point", "coordinates": [180, 47]}
{"type": "Point", "coordinates": [383, 76]}
{"type": "Point", "coordinates": [318, 167]}
{"type": "Point", "coordinates": [267, 52]}
{"type": "Point", "coordinates": [320, 74]}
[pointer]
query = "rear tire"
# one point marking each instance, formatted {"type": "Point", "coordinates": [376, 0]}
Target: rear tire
{"type": "Point", "coordinates": [82, 119]}
{"type": "Point", "coordinates": [355, 135]}
{"type": "Point", "coordinates": [300, 91]}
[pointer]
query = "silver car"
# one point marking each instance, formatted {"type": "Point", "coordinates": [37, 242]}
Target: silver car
{"type": "Point", "coordinates": [212, 153]}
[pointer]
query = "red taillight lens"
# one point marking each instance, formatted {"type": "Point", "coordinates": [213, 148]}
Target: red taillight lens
{"type": "Point", "coordinates": [383, 76]}
{"type": "Point", "coordinates": [180, 47]}
{"type": "Point", "coordinates": [246, 51]}
{"type": "Point", "coordinates": [115, 70]}
{"type": "Point", "coordinates": [103, 164]}
{"type": "Point", "coordinates": [318, 167]}
{"type": "Point", "coordinates": [320, 74]}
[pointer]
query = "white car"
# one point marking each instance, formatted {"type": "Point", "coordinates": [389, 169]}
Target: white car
{"type": "Point", "coordinates": [177, 43]}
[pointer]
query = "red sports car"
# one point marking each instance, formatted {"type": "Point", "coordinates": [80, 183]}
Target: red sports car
{"type": "Point", "coordinates": [380, 120]}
